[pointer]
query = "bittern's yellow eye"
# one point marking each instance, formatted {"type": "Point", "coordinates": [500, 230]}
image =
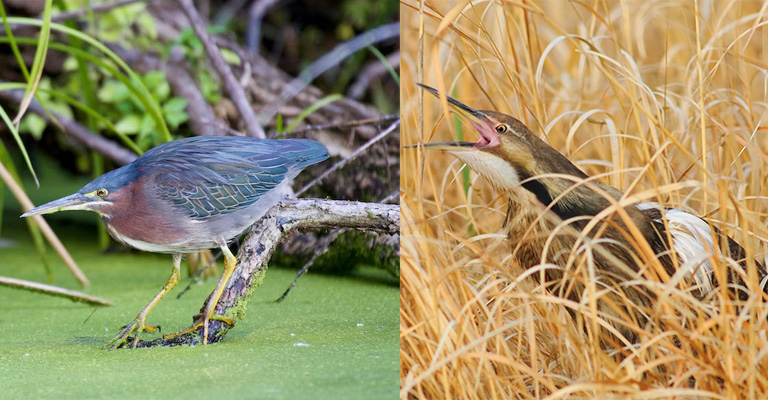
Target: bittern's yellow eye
{"type": "Point", "coordinates": [501, 128]}
{"type": "Point", "coordinates": [102, 192]}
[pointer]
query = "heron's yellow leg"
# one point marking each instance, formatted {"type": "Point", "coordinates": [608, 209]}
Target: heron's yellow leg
{"type": "Point", "coordinates": [229, 267]}
{"type": "Point", "coordinates": [210, 307]}
{"type": "Point", "coordinates": [139, 325]}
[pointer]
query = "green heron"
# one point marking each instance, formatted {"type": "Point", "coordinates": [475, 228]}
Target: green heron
{"type": "Point", "coordinates": [545, 189]}
{"type": "Point", "coordinates": [191, 195]}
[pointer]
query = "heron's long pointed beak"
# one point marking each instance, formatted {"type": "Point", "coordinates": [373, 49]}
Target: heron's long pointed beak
{"type": "Point", "coordinates": [74, 201]}
{"type": "Point", "coordinates": [480, 121]}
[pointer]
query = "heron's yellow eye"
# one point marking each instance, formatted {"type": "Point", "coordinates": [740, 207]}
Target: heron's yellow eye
{"type": "Point", "coordinates": [102, 192]}
{"type": "Point", "coordinates": [501, 128]}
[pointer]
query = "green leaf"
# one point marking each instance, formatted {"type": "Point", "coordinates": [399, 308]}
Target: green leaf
{"type": "Point", "coordinates": [175, 104]}
{"type": "Point", "coordinates": [146, 24]}
{"type": "Point", "coordinates": [162, 91]}
{"type": "Point", "coordinates": [113, 91]}
{"type": "Point", "coordinates": [60, 108]}
{"type": "Point", "coordinates": [345, 32]}
{"type": "Point", "coordinates": [153, 79]}
{"type": "Point", "coordinates": [146, 133]}
{"type": "Point", "coordinates": [189, 40]}
{"type": "Point", "coordinates": [70, 64]}
{"type": "Point", "coordinates": [217, 29]}
{"type": "Point", "coordinates": [45, 85]}
{"type": "Point", "coordinates": [174, 111]}
{"type": "Point", "coordinates": [209, 88]}
{"type": "Point", "coordinates": [106, 92]}
{"type": "Point", "coordinates": [129, 125]}
{"type": "Point", "coordinates": [279, 123]}
{"type": "Point", "coordinates": [231, 57]}
{"type": "Point", "coordinates": [33, 124]}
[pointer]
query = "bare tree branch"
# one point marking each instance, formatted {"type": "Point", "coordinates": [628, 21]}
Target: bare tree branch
{"type": "Point", "coordinates": [228, 11]}
{"type": "Point", "coordinates": [322, 247]}
{"type": "Point", "coordinates": [255, 15]}
{"type": "Point", "coordinates": [385, 119]}
{"type": "Point", "coordinates": [54, 291]}
{"type": "Point", "coordinates": [236, 92]}
{"type": "Point", "coordinates": [332, 58]}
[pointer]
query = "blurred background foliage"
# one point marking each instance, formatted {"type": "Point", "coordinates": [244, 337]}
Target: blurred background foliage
{"type": "Point", "coordinates": [295, 34]}
{"type": "Point", "coordinates": [83, 78]}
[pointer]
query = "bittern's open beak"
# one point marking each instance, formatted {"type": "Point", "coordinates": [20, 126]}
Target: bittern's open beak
{"type": "Point", "coordinates": [76, 201]}
{"type": "Point", "coordinates": [480, 121]}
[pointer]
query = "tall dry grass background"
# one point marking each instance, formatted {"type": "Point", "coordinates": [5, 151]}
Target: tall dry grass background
{"type": "Point", "coordinates": [667, 101]}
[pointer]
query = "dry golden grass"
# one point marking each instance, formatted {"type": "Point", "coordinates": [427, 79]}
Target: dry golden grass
{"type": "Point", "coordinates": [667, 101]}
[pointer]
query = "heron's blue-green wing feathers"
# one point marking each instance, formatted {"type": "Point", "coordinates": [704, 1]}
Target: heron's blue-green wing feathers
{"type": "Point", "coordinates": [212, 177]}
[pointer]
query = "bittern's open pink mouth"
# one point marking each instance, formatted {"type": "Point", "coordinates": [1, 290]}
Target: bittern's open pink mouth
{"type": "Point", "coordinates": [479, 120]}
{"type": "Point", "coordinates": [488, 136]}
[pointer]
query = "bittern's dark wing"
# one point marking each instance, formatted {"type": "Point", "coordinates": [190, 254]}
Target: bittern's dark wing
{"type": "Point", "coordinates": [209, 176]}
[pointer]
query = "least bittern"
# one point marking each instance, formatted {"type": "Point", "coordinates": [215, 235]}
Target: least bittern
{"type": "Point", "coordinates": [547, 191]}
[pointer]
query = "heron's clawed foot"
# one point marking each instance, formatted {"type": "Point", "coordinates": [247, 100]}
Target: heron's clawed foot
{"type": "Point", "coordinates": [202, 321]}
{"type": "Point", "coordinates": [137, 326]}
